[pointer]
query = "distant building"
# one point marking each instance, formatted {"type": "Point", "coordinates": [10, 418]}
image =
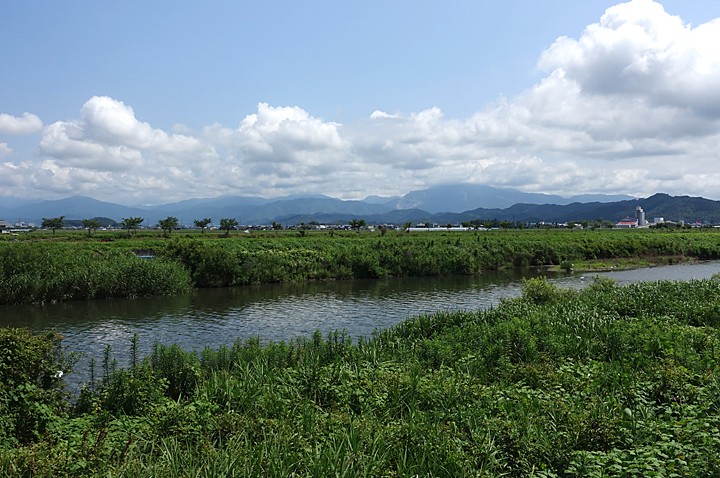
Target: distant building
{"type": "Point", "coordinates": [4, 225]}
{"type": "Point", "coordinates": [640, 216]}
{"type": "Point", "coordinates": [627, 223]}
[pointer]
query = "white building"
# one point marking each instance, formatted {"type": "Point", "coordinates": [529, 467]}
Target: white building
{"type": "Point", "coordinates": [640, 216]}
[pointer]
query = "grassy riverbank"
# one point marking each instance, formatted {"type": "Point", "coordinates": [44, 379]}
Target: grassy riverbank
{"type": "Point", "coordinates": [609, 381]}
{"type": "Point", "coordinates": [74, 267]}
{"type": "Point", "coordinates": [618, 264]}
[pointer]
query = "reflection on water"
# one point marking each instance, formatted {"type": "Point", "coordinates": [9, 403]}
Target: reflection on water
{"type": "Point", "coordinates": [214, 317]}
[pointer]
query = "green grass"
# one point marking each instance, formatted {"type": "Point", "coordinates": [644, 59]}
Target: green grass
{"type": "Point", "coordinates": [36, 273]}
{"type": "Point", "coordinates": [75, 266]}
{"type": "Point", "coordinates": [608, 381]}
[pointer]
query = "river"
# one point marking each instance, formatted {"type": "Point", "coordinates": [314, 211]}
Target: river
{"type": "Point", "coordinates": [215, 317]}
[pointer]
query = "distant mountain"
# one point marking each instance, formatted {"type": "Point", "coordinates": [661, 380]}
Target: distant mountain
{"type": "Point", "coordinates": [261, 211]}
{"type": "Point", "coordinates": [74, 207]}
{"type": "Point", "coordinates": [670, 208]}
{"type": "Point", "coordinates": [441, 204]}
{"type": "Point", "coordinates": [381, 200]}
{"type": "Point", "coordinates": [10, 204]}
{"type": "Point", "coordinates": [463, 197]}
{"type": "Point", "coordinates": [683, 208]}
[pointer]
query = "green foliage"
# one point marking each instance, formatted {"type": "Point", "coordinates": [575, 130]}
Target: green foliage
{"type": "Point", "coordinates": [168, 224]}
{"type": "Point", "coordinates": [539, 291]}
{"type": "Point", "coordinates": [91, 225]}
{"type": "Point", "coordinates": [607, 381]}
{"type": "Point", "coordinates": [131, 223]}
{"type": "Point", "coordinates": [53, 223]}
{"type": "Point", "coordinates": [228, 223]}
{"type": "Point", "coordinates": [31, 392]}
{"type": "Point", "coordinates": [36, 273]}
{"type": "Point", "coordinates": [202, 223]}
{"type": "Point", "coordinates": [272, 257]}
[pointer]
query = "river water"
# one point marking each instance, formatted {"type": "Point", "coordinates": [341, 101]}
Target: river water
{"type": "Point", "coordinates": [215, 317]}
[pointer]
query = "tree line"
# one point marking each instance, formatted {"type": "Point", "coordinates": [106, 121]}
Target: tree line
{"type": "Point", "coordinates": [132, 224]}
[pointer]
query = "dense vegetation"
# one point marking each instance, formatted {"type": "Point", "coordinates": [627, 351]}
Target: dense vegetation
{"type": "Point", "coordinates": [40, 272]}
{"type": "Point", "coordinates": [609, 381]}
{"type": "Point", "coordinates": [80, 266]}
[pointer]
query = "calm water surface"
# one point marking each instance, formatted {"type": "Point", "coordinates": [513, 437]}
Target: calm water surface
{"type": "Point", "coordinates": [214, 317]}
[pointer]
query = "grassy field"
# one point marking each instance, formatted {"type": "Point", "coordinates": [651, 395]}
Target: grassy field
{"type": "Point", "coordinates": [608, 381]}
{"type": "Point", "coordinates": [75, 266]}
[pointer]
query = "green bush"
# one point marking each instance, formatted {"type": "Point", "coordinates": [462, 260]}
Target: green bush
{"type": "Point", "coordinates": [31, 388]}
{"type": "Point", "coordinates": [539, 291]}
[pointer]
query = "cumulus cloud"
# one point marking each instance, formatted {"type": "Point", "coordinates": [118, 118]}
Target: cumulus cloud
{"type": "Point", "coordinates": [630, 106]}
{"type": "Point", "coordinates": [108, 148]}
{"type": "Point", "coordinates": [109, 127]}
{"type": "Point", "coordinates": [633, 94]}
{"type": "Point", "coordinates": [639, 50]}
{"type": "Point", "coordinates": [24, 124]}
{"type": "Point", "coordinates": [280, 147]}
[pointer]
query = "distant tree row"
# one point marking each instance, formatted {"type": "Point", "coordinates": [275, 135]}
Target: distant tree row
{"type": "Point", "coordinates": [133, 223]}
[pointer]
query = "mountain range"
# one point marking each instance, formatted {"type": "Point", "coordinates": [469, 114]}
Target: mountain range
{"type": "Point", "coordinates": [444, 204]}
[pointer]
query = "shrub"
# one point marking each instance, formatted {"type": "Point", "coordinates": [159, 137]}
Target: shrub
{"type": "Point", "coordinates": [31, 392]}
{"type": "Point", "coordinates": [539, 291]}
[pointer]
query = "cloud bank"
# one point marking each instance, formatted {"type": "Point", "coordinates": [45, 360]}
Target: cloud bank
{"type": "Point", "coordinates": [630, 106]}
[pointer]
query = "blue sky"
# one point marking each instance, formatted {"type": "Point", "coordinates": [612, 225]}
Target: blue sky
{"type": "Point", "coordinates": [151, 102]}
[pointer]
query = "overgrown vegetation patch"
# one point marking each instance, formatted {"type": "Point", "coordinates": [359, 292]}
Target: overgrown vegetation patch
{"type": "Point", "coordinates": [608, 381]}
{"type": "Point", "coordinates": [77, 267]}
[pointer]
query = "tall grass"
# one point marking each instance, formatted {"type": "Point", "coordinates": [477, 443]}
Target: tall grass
{"type": "Point", "coordinates": [608, 381]}
{"type": "Point", "coordinates": [35, 273]}
{"type": "Point", "coordinates": [265, 259]}
{"type": "Point", "coordinates": [67, 269]}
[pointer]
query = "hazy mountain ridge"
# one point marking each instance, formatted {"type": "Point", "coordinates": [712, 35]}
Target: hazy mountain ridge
{"type": "Point", "coordinates": [451, 198]}
{"type": "Point", "coordinates": [439, 204]}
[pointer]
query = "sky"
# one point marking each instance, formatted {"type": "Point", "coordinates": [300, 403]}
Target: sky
{"type": "Point", "coordinates": [140, 102]}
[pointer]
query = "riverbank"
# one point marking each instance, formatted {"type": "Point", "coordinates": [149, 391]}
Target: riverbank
{"type": "Point", "coordinates": [61, 269]}
{"type": "Point", "coordinates": [621, 264]}
{"type": "Point", "coordinates": [605, 381]}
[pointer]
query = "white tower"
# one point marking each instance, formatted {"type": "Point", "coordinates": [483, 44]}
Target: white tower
{"type": "Point", "coordinates": [640, 216]}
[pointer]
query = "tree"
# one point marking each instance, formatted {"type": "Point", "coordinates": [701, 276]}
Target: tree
{"type": "Point", "coordinates": [131, 223]}
{"type": "Point", "coordinates": [168, 224]}
{"type": "Point", "coordinates": [357, 224]}
{"type": "Point", "coordinates": [202, 223]}
{"type": "Point", "coordinates": [277, 226]}
{"type": "Point", "coordinates": [91, 225]}
{"type": "Point", "coordinates": [53, 223]}
{"type": "Point", "coordinates": [228, 223]}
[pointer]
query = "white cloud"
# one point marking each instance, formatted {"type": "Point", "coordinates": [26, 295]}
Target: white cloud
{"type": "Point", "coordinates": [111, 122]}
{"type": "Point", "coordinates": [630, 106]}
{"type": "Point", "coordinates": [280, 147]}
{"type": "Point", "coordinates": [377, 114]}
{"type": "Point", "coordinates": [109, 137]}
{"type": "Point", "coordinates": [639, 50]}
{"type": "Point", "coordinates": [24, 124]}
{"type": "Point", "coordinates": [108, 150]}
